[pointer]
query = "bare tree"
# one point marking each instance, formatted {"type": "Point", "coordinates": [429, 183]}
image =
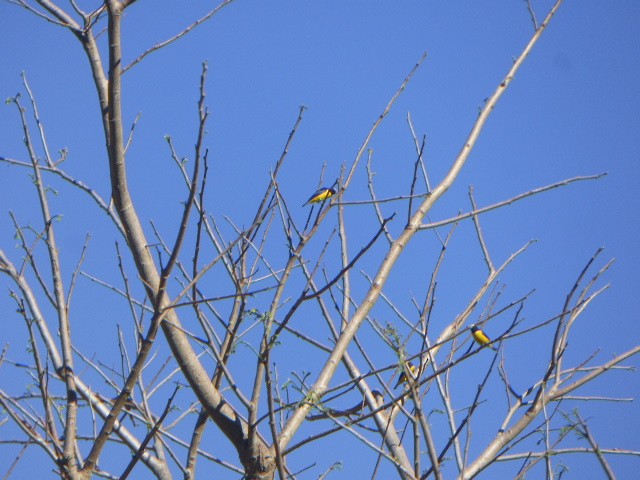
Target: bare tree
{"type": "Point", "coordinates": [268, 281]}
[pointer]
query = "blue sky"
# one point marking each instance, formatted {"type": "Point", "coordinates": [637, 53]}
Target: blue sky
{"type": "Point", "coordinates": [572, 110]}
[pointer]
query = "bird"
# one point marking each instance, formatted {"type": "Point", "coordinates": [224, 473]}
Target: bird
{"type": "Point", "coordinates": [320, 195]}
{"type": "Point", "coordinates": [480, 337]}
{"type": "Point", "coordinates": [413, 370]}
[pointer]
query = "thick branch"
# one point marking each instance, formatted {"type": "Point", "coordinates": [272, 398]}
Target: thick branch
{"type": "Point", "coordinates": [322, 382]}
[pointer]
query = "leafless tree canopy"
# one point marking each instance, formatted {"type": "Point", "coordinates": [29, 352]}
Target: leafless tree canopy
{"type": "Point", "coordinates": [229, 307]}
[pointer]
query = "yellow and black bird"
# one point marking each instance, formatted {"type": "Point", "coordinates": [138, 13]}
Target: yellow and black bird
{"type": "Point", "coordinates": [413, 370]}
{"type": "Point", "coordinates": [320, 195]}
{"type": "Point", "coordinates": [480, 337]}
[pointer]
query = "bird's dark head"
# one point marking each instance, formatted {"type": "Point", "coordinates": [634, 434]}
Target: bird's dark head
{"type": "Point", "coordinates": [378, 396]}
{"type": "Point", "coordinates": [332, 191]}
{"type": "Point", "coordinates": [474, 328]}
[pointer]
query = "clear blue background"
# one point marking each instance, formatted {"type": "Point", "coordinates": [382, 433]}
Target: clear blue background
{"type": "Point", "coordinates": [572, 110]}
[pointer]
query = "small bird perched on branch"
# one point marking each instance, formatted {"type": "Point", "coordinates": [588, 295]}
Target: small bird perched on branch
{"type": "Point", "coordinates": [480, 337]}
{"type": "Point", "coordinates": [413, 370]}
{"type": "Point", "coordinates": [320, 195]}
